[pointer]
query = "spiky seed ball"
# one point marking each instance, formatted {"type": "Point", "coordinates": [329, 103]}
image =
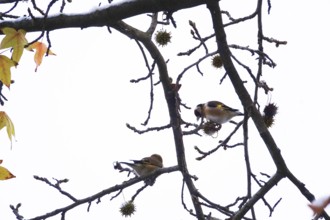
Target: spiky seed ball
{"type": "Point", "coordinates": [210, 128]}
{"type": "Point", "coordinates": [127, 209]}
{"type": "Point", "coordinates": [269, 121]}
{"type": "Point", "coordinates": [216, 61]}
{"type": "Point", "coordinates": [270, 110]}
{"type": "Point", "coordinates": [163, 37]}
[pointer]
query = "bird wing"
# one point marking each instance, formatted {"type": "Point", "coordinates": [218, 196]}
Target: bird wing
{"type": "Point", "coordinates": [143, 161]}
{"type": "Point", "coordinates": [214, 104]}
{"type": "Point", "coordinates": [153, 160]}
{"type": "Point", "coordinates": [220, 105]}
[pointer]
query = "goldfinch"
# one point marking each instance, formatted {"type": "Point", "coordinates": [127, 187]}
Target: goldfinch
{"type": "Point", "coordinates": [146, 165]}
{"type": "Point", "coordinates": [216, 112]}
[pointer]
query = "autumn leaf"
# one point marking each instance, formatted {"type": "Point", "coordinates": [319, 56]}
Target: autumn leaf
{"type": "Point", "coordinates": [41, 50]}
{"type": "Point", "coordinates": [319, 205]}
{"type": "Point", "coordinates": [5, 121]}
{"type": "Point", "coordinates": [14, 39]}
{"type": "Point", "coordinates": [4, 173]}
{"type": "Point", "coordinates": [5, 74]}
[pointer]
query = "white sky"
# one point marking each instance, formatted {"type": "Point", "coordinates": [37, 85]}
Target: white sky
{"type": "Point", "coordinates": [70, 117]}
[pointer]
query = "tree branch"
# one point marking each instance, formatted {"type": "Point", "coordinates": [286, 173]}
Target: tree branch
{"type": "Point", "coordinates": [172, 104]}
{"type": "Point", "coordinates": [240, 88]}
{"type": "Point", "coordinates": [98, 195]}
{"type": "Point", "coordinates": [100, 17]}
{"type": "Point", "coordinates": [249, 106]}
{"type": "Point", "coordinates": [262, 191]}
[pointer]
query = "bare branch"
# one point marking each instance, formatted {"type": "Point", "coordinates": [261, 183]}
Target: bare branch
{"type": "Point", "coordinates": [94, 197]}
{"type": "Point", "coordinates": [148, 129]}
{"type": "Point", "coordinates": [101, 17]}
{"type": "Point", "coordinates": [57, 186]}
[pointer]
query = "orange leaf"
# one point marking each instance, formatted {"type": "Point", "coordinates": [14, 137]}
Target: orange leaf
{"type": "Point", "coordinates": [6, 121]}
{"type": "Point", "coordinates": [14, 39]}
{"type": "Point", "coordinates": [41, 50]}
{"type": "Point", "coordinates": [319, 205]}
{"type": "Point", "coordinates": [5, 174]}
{"type": "Point", "coordinates": [5, 65]}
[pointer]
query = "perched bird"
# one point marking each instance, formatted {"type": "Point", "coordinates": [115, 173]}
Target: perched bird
{"type": "Point", "coordinates": [216, 112]}
{"type": "Point", "coordinates": [146, 165]}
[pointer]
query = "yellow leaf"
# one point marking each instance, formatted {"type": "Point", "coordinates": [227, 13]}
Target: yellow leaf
{"type": "Point", "coordinates": [5, 174]}
{"type": "Point", "coordinates": [16, 40]}
{"type": "Point", "coordinates": [5, 65]}
{"type": "Point", "coordinates": [41, 50]}
{"type": "Point", "coordinates": [5, 121]}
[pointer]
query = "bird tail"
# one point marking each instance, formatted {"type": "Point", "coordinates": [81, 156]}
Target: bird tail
{"type": "Point", "coordinates": [126, 163]}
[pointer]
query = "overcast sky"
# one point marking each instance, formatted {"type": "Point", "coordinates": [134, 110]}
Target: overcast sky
{"type": "Point", "coordinates": [70, 116]}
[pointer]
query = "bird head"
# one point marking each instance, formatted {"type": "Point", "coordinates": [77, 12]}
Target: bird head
{"type": "Point", "coordinates": [199, 111]}
{"type": "Point", "coordinates": [157, 160]}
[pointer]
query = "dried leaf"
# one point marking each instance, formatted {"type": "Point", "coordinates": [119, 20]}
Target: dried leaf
{"type": "Point", "coordinates": [319, 205]}
{"type": "Point", "coordinates": [41, 50]}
